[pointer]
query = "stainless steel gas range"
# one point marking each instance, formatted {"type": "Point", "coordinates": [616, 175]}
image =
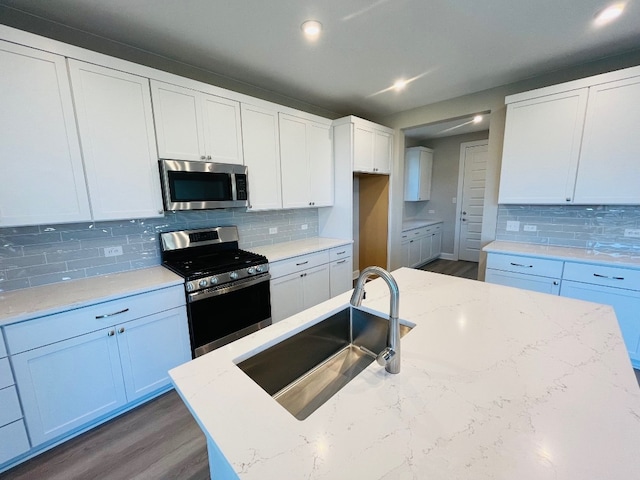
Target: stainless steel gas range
{"type": "Point", "coordinates": [227, 288]}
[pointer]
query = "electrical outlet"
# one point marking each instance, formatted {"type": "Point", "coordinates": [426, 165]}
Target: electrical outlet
{"type": "Point", "coordinates": [530, 228]}
{"type": "Point", "coordinates": [513, 226]}
{"type": "Point", "coordinates": [454, 200]}
{"type": "Point", "coordinates": [304, 226]}
{"type": "Point", "coordinates": [112, 251]}
{"type": "Point", "coordinates": [632, 232]}
{"type": "Point", "coordinates": [431, 212]}
{"type": "Point", "coordinates": [273, 230]}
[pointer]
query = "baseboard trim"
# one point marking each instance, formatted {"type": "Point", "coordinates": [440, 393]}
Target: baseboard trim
{"type": "Point", "coordinates": [447, 256]}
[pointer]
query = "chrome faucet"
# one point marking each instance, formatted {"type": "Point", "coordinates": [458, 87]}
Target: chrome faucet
{"type": "Point", "coordinates": [390, 356]}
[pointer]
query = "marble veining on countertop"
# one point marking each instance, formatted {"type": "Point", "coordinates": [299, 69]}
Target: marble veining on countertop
{"type": "Point", "coordinates": [620, 259]}
{"type": "Point", "coordinates": [19, 305]}
{"type": "Point", "coordinates": [410, 224]}
{"type": "Point", "coordinates": [495, 383]}
{"type": "Point", "coordinates": [284, 250]}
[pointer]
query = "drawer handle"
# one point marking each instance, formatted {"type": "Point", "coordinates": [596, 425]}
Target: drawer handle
{"type": "Point", "coordinates": [341, 261]}
{"type": "Point", "coordinates": [303, 263]}
{"type": "Point", "coordinates": [111, 333]}
{"type": "Point", "coordinates": [341, 253]}
{"type": "Point", "coordinates": [98, 317]}
{"type": "Point", "coordinates": [521, 265]}
{"type": "Point", "coordinates": [606, 276]}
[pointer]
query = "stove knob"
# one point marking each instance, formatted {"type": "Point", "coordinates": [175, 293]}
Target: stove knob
{"type": "Point", "coordinates": [259, 268]}
{"type": "Point", "coordinates": [190, 287]}
{"type": "Point", "coordinates": [203, 283]}
{"type": "Point", "coordinates": [213, 280]}
{"type": "Point", "coordinates": [233, 275]}
{"type": "Point", "coordinates": [251, 270]}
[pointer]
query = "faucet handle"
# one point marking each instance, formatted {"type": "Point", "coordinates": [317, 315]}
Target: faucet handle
{"type": "Point", "coordinates": [385, 356]}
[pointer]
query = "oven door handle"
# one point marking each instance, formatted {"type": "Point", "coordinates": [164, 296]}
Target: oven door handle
{"type": "Point", "coordinates": [202, 294]}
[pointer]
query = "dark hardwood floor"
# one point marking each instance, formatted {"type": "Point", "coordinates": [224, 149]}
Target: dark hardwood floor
{"type": "Point", "coordinates": [452, 267]}
{"type": "Point", "coordinates": [158, 440]}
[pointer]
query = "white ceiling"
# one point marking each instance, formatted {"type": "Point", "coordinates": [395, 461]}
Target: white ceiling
{"type": "Point", "coordinates": [454, 47]}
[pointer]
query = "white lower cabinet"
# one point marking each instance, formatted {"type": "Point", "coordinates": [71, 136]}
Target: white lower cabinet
{"type": "Point", "coordinates": [301, 282]}
{"type": "Point", "coordinates": [528, 273]}
{"type": "Point", "coordinates": [421, 245]}
{"type": "Point", "coordinates": [525, 281]}
{"type": "Point", "coordinates": [75, 367]}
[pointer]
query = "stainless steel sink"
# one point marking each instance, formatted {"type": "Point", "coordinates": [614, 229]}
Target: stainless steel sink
{"type": "Point", "coordinates": [305, 370]}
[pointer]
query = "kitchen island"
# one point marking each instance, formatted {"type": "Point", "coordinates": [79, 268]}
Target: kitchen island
{"type": "Point", "coordinates": [495, 382]}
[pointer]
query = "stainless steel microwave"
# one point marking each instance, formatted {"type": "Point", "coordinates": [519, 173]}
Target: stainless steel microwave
{"type": "Point", "coordinates": [193, 185]}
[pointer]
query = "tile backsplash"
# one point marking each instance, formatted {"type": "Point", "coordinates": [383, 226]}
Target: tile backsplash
{"type": "Point", "coordinates": [44, 254]}
{"type": "Point", "coordinates": [595, 227]}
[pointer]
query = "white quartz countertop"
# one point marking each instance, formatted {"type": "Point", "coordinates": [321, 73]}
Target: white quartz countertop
{"type": "Point", "coordinates": [411, 224]}
{"type": "Point", "coordinates": [495, 383]}
{"type": "Point", "coordinates": [49, 299]}
{"type": "Point", "coordinates": [620, 259]}
{"type": "Point", "coordinates": [284, 250]}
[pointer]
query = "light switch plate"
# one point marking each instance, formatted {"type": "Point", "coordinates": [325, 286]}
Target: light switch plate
{"type": "Point", "coordinates": [513, 226]}
{"type": "Point", "coordinates": [273, 230]}
{"type": "Point", "coordinates": [304, 226]}
{"type": "Point", "coordinates": [530, 228]}
{"type": "Point", "coordinates": [113, 251]}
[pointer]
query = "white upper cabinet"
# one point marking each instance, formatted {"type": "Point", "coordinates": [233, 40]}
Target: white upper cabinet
{"type": "Point", "coordinates": [541, 149]}
{"type": "Point", "coordinates": [372, 147]}
{"type": "Point", "coordinates": [192, 125]}
{"type": "Point", "coordinates": [574, 143]}
{"type": "Point", "coordinates": [306, 162]}
{"type": "Point", "coordinates": [118, 142]}
{"type": "Point", "coordinates": [262, 157]}
{"type": "Point", "coordinates": [40, 160]}
{"type": "Point", "coordinates": [417, 173]}
{"type": "Point", "coordinates": [609, 171]}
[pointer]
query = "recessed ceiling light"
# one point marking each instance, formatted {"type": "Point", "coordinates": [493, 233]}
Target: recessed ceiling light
{"type": "Point", "coordinates": [311, 29]}
{"type": "Point", "coordinates": [609, 14]}
{"type": "Point", "coordinates": [477, 119]}
{"type": "Point", "coordinates": [399, 84]}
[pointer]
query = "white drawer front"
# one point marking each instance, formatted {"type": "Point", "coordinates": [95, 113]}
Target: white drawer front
{"type": "Point", "coordinates": [3, 350]}
{"type": "Point", "coordinates": [418, 232]}
{"type": "Point", "coordinates": [54, 328]}
{"type": "Point", "coordinates": [603, 275]}
{"type": "Point", "coordinates": [13, 441]}
{"type": "Point", "coordinates": [6, 377]}
{"type": "Point", "coordinates": [532, 266]}
{"type": "Point", "coordinates": [338, 253]}
{"type": "Point", "coordinates": [297, 264]}
{"type": "Point", "coordinates": [10, 411]}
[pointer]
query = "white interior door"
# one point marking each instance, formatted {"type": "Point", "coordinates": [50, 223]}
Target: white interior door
{"type": "Point", "coordinates": [473, 173]}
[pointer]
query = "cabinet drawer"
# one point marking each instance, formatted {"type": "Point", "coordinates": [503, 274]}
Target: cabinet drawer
{"type": "Point", "coordinates": [297, 264]}
{"type": "Point", "coordinates": [6, 377]}
{"type": "Point", "coordinates": [602, 275]}
{"type": "Point", "coordinates": [528, 265]}
{"type": "Point", "coordinates": [60, 326]}
{"type": "Point", "coordinates": [418, 232]}
{"type": "Point", "coordinates": [338, 253]}
{"type": "Point", "coordinates": [10, 411]}
{"type": "Point", "coordinates": [13, 441]}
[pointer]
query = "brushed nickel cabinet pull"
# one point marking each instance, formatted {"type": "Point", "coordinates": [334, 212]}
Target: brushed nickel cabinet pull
{"type": "Point", "coordinates": [521, 265]}
{"type": "Point", "coordinates": [606, 276]}
{"type": "Point", "coordinates": [303, 263]}
{"type": "Point", "coordinates": [98, 317]}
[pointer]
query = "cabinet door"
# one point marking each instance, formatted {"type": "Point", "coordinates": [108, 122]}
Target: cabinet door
{"type": "Point", "coordinates": [287, 296]}
{"type": "Point", "coordinates": [626, 304]}
{"type": "Point", "coordinates": [526, 282]}
{"type": "Point", "coordinates": [436, 244]}
{"type": "Point", "coordinates": [294, 162]}
{"type": "Point", "coordinates": [609, 171]}
{"type": "Point", "coordinates": [341, 276]}
{"type": "Point", "coordinates": [262, 157]}
{"type": "Point", "coordinates": [414, 252]}
{"type": "Point", "coordinates": [425, 248]}
{"type": "Point", "coordinates": [151, 346]}
{"type": "Point", "coordinates": [541, 147]}
{"type": "Point", "coordinates": [68, 384]}
{"type": "Point", "coordinates": [118, 142]}
{"type": "Point", "coordinates": [42, 173]}
{"type": "Point", "coordinates": [362, 149]}
{"type": "Point", "coordinates": [178, 119]}
{"type": "Point", "coordinates": [382, 151]}
{"type": "Point", "coordinates": [319, 146]}
{"type": "Point", "coordinates": [222, 129]}
{"type": "Point", "coordinates": [316, 284]}
{"type": "Point", "coordinates": [404, 252]}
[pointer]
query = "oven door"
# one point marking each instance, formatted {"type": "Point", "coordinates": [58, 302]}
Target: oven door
{"type": "Point", "coordinates": [218, 316]}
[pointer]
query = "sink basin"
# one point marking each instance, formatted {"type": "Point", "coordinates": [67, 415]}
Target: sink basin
{"type": "Point", "coordinates": [304, 371]}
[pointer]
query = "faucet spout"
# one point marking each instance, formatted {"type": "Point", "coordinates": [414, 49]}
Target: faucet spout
{"type": "Point", "coordinates": [391, 359]}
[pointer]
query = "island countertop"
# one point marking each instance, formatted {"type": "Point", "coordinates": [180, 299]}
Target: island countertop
{"type": "Point", "coordinates": [495, 383]}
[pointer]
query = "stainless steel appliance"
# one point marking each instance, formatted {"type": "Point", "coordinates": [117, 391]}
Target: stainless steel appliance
{"type": "Point", "coordinates": [190, 185]}
{"type": "Point", "coordinates": [227, 288]}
